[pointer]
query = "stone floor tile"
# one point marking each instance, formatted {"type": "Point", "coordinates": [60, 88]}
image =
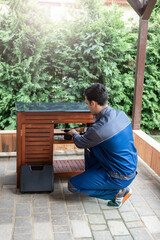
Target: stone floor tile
{"type": "Point", "coordinates": [23, 237]}
{"type": "Point", "coordinates": [40, 210]}
{"type": "Point", "coordinates": [6, 231]}
{"type": "Point", "coordinates": [24, 199]}
{"type": "Point", "coordinates": [23, 222]}
{"type": "Point", "coordinates": [42, 231]}
{"type": "Point", "coordinates": [152, 223]}
{"type": "Point", "coordinates": [61, 228]}
{"type": "Point", "coordinates": [60, 220]}
{"type": "Point", "coordinates": [65, 236]}
{"type": "Point", "coordinates": [140, 234]}
{"type": "Point", "coordinates": [157, 213]}
{"type": "Point", "coordinates": [11, 164]}
{"type": "Point", "coordinates": [96, 219]}
{"type": "Point", "coordinates": [40, 201]}
{"type": "Point", "coordinates": [134, 224]}
{"type": "Point", "coordinates": [111, 214]}
{"type": "Point", "coordinates": [123, 238]}
{"type": "Point", "coordinates": [75, 208]}
{"type": "Point", "coordinates": [102, 235]}
{"type": "Point", "coordinates": [91, 207]}
{"type": "Point", "coordinates": [130, 216]}
{"type": "Point", "coordinates": [145, 211]}
{"type": "Point", "coordinates": [117, 228]}
{"type": "Point", "coordinates": [84, 239]}
{"type": "Point", "coordinates": [139, 203]}
{"type": "Point", "coordinates": [156, 235]}
{"type": "Point", "coordinates": [8, 191]}
{"type": "Point", "coordinates": [127, 207]}
{"type": "Point", "coordinates": [154, 203]}
{"type": "Point", "coordinates": [56, 196]}
{"type": "Point", "coordinates": [6, 218]}
{"type": "Point", "coordinates": [77, 216]}
{"type": "Point", "coordinates": [58, 208]}
{"type": "Point", "coordinates": [99, 227]}
{"type": "Point", "coordinates": [6, 202]}
{"type": "Point", "coordinates": [22, 230]}
{"type": "Point", "coordinates": [41, 217]}
{"type": "Point", "coordinates": [80, 229]}
{"type": "Point", "coordinates": [6, 210]}
{"type": "Point", "coordinates": [10, 178]}
{"type": "Point", "coordinates": [23, 210]}
{"type": "Point", "coordinates": [136, 196]}
{"type": "Point", "coordinates": [154, 187]}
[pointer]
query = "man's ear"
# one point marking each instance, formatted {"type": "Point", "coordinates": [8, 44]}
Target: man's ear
{"type": "Point", "coordinates": [93, 103]}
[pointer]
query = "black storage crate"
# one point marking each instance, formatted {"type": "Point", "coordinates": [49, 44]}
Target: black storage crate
{"type": "Point", "coordinates": [37, 178]}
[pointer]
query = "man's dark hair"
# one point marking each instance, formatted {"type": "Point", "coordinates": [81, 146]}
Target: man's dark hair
{"type": "Point", "coordinates": [98, 93]}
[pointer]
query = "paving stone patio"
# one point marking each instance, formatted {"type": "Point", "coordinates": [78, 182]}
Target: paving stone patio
{"type": "Point", "coordinates": [62, 215]}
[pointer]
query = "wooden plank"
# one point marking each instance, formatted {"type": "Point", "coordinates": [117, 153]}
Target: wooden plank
{"type": "Point", "coordinates": [37, 161]}
{"type": "Point", "coordinates": [42, 151]}
{"type": "Point", "coordinates": [63, 141]}
{"type": "Point", "coordinates": [0, 143]}
{"type": "Point", "coordinates": [35, 139]}
{"type": "Point", "coordinates": [35, 155]}
{"type": "Point", "coordinates": [32, 130]}
{"type": "Point", "coordinates": [36, 147]}
{"type": "Point", "coordinates": [51, 143]}
{"type": "Point", "coordinates": [14, 146]}
{"type": "Point", "coordinates": [147, 9]}
{"type": "Point", "coordinates": [37, 134]}
{"type": "Point", "coordinates": [137, 6]}
{"type": "Point", "coordinates": [139, 75]}
{"type": "Point", "coordinates": [7, 143]}
{"type": "Point", "coordinates": [23, 144]}
{"type": "Point", "coordinates": [155, 164]}
{"type": "Point", "coordinates": [37, 126]}
{"type": "Point", "coordinates": [37, 144]}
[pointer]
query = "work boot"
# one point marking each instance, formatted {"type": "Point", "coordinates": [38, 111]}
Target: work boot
{"type": "Point", "coordinates": [121, 197]}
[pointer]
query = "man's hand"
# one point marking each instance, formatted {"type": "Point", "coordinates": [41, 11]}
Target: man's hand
{"type": "Point", "coordinates": [71, 132]}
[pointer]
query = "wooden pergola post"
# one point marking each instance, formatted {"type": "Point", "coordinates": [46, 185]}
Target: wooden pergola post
{"type": "Point", "coordinates": [144, 10]}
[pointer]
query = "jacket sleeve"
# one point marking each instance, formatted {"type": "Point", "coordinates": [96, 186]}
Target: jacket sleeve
{"type": "Point", "coordinates": [88, 139]}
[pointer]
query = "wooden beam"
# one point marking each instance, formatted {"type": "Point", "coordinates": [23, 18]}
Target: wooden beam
{"type": "Point", "coordinates": [147, 8]}
{"type": "Point", "coordinates": [137, 6]}
{"type": "Point", "coordinates": [139, 75]}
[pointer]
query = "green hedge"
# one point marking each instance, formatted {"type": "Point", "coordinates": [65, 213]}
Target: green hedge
{"type": "Point", "coordinates": [46, 61]}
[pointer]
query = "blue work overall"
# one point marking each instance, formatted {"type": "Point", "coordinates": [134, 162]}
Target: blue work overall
{"type": "Point", "coordinates": [110, 156]}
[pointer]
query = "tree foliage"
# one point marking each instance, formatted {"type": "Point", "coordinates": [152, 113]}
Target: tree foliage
{"type": "Point", "coordinates": [46, 61]}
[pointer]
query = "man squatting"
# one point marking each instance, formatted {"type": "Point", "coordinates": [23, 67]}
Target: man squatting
{"type": "Point", "coordinates": [110, 154]}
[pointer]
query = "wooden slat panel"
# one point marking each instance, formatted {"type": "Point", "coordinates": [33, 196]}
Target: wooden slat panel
{"type": "Point", "coordinates": [42, 151]}
{"type": "Point", "coordinates": [36, 148]}
{"type": "Point", "coordinates": [28, 155]}
{"type": "Point", "coordinates": [37, 134]}
{"type": "Point", "coordinates": [36, 130]}
{"type": "Point", "coordinates": [43, 139]}
{"type": "Point", "coordinates": [68, 167]}
{"type": "Point", "coordinates": [37, 143]}
{"type": "Point", "coordinates": [37, 161]}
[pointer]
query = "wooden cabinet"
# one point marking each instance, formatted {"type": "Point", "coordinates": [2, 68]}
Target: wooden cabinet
{"type": "Point", "coordinates": [35, 134]}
